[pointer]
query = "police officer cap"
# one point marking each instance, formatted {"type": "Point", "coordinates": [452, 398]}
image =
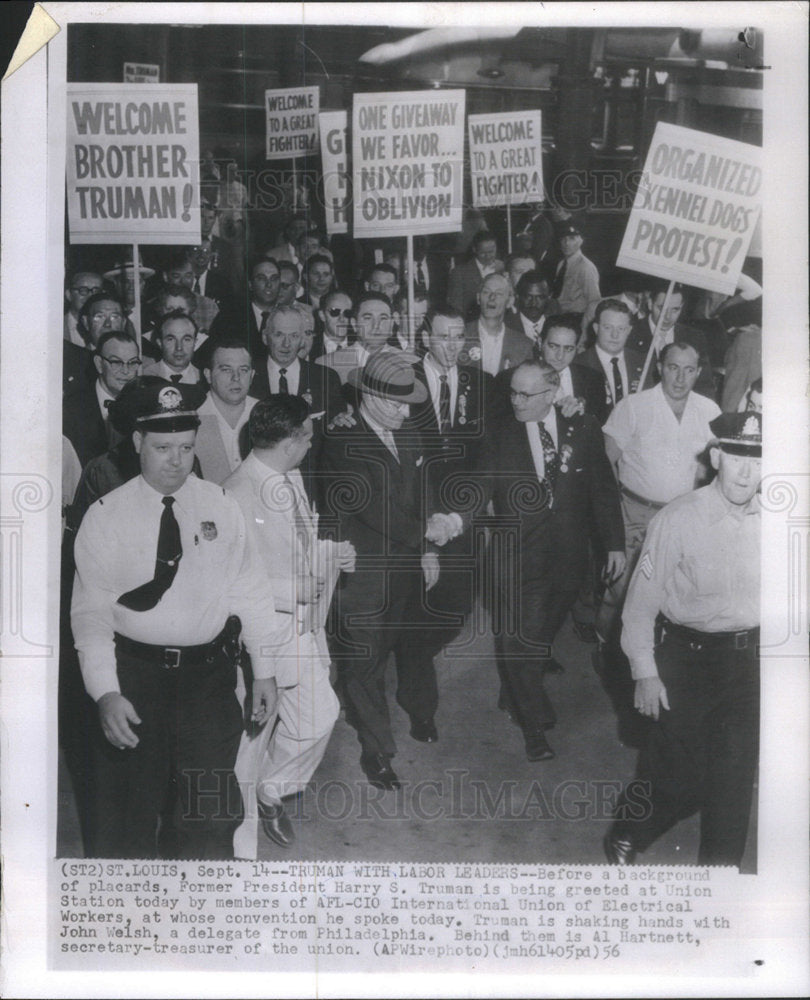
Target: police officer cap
{"type": "Point", "coordinates": [150, 403]}
{"type": "Point", "coordinates": [570, 229]}
{"type": "Point", "coordinates": [738, 433]}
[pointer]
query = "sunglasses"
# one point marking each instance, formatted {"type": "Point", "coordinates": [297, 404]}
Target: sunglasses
{"type": "Point", "coordinates": [334, 313]}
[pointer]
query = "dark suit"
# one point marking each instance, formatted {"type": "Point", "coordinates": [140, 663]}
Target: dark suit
{"type": "Point", "coordinates": [376, 502]}
{"type": "Point", "coordinates": [218, 289]}
{"type": "Point", "coordinates": [634, 363]}
{"type": "Point", "coordinates": [549, 544]}
{"type": "Point", "coordinates": [463, 286]}
{"type": "Point", "coordinates": [239, 320]}
{"type": "Point", "coordinates": [641, 337]}
{"type": "Point", "coordinates": [320, 386]}
{"type": "Point", "coordinates": [78, 371]}
{"type": "Point", "coordinates": [588, 385]}
{"type": "Point", "coordinates": [84, 426]}
{"type": "Point", "coordinates": [449, 460]}
{"type": "Point", "coordinates": [516, 347]}
{"type": "Point", "coordinates": [435, 267]}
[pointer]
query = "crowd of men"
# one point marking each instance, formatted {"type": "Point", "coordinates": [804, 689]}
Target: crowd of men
{"type": "Point", "coordinates": [281, 468]}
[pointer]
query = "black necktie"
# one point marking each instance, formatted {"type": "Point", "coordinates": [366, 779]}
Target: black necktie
{"type": "Point", "coordinates": [421, 284]}
{"type": "Point", "coordinates": [444, 405]}
{"type": "Point", "coordinates": [551, 459]}
{"type": "Point", "coordinates": [618, 388]}
{"type": "Point", "coordinates": [176, 378]}
{"type": "Point", "coordinates": [265, 317]}
{"type": "Point", "coordinates": [282, 381]}
{"type": "Point", "coordinates": [106, 403]}
{"type": "Point", "coordinates": [169, 553]}
{"type": "Point", "coordinates": [559, 280]}
{"type": "Point", "coordinates": [196, 288]}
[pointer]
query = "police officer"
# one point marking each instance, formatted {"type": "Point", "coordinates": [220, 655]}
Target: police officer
{"type": "Point", "coordinates": [691, 632]}
{"type": "Point", "coordinates": [161, 564]}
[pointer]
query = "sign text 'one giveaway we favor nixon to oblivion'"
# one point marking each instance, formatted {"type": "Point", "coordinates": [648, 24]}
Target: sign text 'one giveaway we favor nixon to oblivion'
{"type": "Point", "coordinates": [408, 161]}
{"type": "Point", "coordinates": [335, 171]}
{"type": "Point", "coordinates": [292, 122]}
{"type": "Point", "coordinates": [695, 210]}
{"type": "Point", "coordinates": [133, 163]}
{"type": "Point", "coordinates": [506, 158]}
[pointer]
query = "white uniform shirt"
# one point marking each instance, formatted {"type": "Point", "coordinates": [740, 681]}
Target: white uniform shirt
{"type": "Point", "coordinates": [659, 453]}
{"type": "Point", "coordinates": [218, 575]}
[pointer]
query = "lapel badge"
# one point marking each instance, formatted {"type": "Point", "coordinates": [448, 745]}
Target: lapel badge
{"type": "Point", "coordinates": [209, 530]}
{"type": "Point", "coordinates": [565, 457]}
{"type": "Point", "coordinates": [462, 408]}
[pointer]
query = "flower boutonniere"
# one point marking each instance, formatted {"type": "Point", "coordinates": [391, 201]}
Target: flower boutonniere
{"type": "Point", "coordinates": [475, 353]}
{"type": "Point", "coordinates": [462, 406]}
{"type": "Point", "coordinates": [565, 457]}
{"type": "Point", "coordinates": [307, 397]}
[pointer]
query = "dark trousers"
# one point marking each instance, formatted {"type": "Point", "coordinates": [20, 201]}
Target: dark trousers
{"type": "Point", "coordinates": [523, 644]}
{"type": "Point", "coordinates": [702, 754]}
{"type": "Point", "coordinates": [433, 619]}
{"type": "Point", "coordinates": [189, 733]}
{"type": "Point", "coordinates": [372, 619]}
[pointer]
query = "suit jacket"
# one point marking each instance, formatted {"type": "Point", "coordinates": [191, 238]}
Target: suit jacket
{"type": "Point", "coordinates": [239, 320]}
{"type": "Point", "coordinates": [463, 286]}
{"type": "Point", "coordinates": [437, 274]}
{"type": "Point", "coordinates": [553, 539]}
{"type": "Point", "coordinates": [634, 363]}
{"type": "Point", "coordinates": [377, 503]}
{"type": "Point", "coordinates": [641, 337]}
{"type": "Point", "coordinates": [218, 289]}
{"type": "Point", "coordinates": [78, 371]}
{"type": "Point", "coordinates": [321, 388]}
{"type": "Point", "coordinates": [590, 386]}
{"type": "Point", "coordinates": [83, 425]}
{"type": "Point", "coordinates": [516, 347]}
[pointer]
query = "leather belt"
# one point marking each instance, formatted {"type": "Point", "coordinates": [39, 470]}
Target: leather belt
{"type": "Point", "coordinates": [652, 504]}
{"type": "Point", "coordinates": [170, 657]}
{"type": "Point", "coordinates": [744, 639]}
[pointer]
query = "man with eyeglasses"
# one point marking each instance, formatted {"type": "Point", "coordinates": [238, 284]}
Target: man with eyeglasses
{"type": "Point", "coordinates": [85, 414]}
{"type": "Point", "coordinates": [372, 324]}
{"type": "Point", "coordinates": [79, 288]}
{"type": "Point", "coordinates": [335, 317]}
{"type": "Point", "coordinates": [551, 473]}
{"type": "Point", "coordinates": [101, 313]}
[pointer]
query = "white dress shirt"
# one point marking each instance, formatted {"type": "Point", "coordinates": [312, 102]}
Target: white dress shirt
{"type": "Point", "coordinates": [606, 361]}
{"type": "Point", "coordinates": [433, 375]}
{"type": "Point", "coordinates": [566, 384]}
{"type": "Point", "coordinates": [293, 375]}
{"type": "Point", "coordinates": [491, 348]}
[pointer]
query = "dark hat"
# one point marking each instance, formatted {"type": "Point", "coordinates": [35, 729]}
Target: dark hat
{"type": "Point", "coordinates": [569, 229]}
{"type": "Point", "coordinates": [389, 374]}
{"type": "Point", "coordinates": [151, 403]}
{"type": "Point", "coordinates": [738, 433]}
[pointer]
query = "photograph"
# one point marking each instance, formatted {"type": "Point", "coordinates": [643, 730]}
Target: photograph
{"type": "Point", "coordinates": [415, 559]}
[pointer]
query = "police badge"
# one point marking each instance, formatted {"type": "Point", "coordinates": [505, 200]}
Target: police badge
{"type": "Point", "coordinates": [209, 530]}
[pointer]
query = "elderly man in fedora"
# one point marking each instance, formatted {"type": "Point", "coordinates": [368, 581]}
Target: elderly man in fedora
{"type": "Point", "coordinates": [372, 495]}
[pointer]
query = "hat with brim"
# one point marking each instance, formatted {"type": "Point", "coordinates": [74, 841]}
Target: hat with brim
{"type": "Point", "coordinates": [151, 403]}
{"type": "Point", "coordinates": [738, 433]}
{"type": "Point", "coordinates": [390, 375]}
{"type": "Point", "coordinates": [126, 266]}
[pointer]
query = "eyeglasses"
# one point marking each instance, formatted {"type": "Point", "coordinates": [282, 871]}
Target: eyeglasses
{"type": "Point", "coordinates": [85, 289]}
{"type": "Point", "coordinates": [334, 313]}
{"type": "Point", "coordinates": [118, 365]}
{"type": "Point", "coordinates": [107, 315]}
{"type": "Point", "coordinates": [526, 396]}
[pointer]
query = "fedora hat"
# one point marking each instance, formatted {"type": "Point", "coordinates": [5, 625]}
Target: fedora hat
{"type": "Point", "coordinates": [389, 374]}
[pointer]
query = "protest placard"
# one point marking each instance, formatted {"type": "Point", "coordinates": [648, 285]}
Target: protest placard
{"type": "Point", "coordinates": [292, 122]}
{"type": "Point", "coordinates": [407, 152]}
{"type": "Point", "coordinates": [133, 163]}
{"type": "Point", "coordinates": [696, 209]}
{"type": "Point", "coordinates": [506, 158]}
{"type": "Point", "coordinates": [335, 171]}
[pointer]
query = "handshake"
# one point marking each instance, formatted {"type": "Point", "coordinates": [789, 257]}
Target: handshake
{"type": "Point", "coordinates": [441, 528]}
